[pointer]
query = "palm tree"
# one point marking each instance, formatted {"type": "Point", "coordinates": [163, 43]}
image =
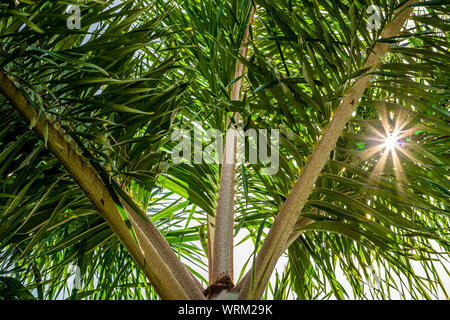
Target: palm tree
{"type": "Point", "coordinates": [358, 91]}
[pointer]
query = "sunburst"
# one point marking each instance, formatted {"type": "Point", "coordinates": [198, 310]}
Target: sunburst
{"type": "Point", "coordinates": [389, 142]}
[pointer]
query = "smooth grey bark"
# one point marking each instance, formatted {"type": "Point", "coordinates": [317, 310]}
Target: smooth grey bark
{"type": "Point", "coordinates": [222, 262]}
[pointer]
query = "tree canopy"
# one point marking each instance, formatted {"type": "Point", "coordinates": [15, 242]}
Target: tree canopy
{"type": "Point", "coordinates": [88, 116]}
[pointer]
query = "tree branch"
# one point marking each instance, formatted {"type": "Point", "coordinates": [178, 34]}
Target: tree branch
{"type": "Point", "coordinates": [278, 236]}
{"type": "Point", "coordinates": [153, 254]}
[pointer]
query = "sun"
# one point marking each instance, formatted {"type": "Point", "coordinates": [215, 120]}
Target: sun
{"type": "Point", "coordinates": [391, 140]}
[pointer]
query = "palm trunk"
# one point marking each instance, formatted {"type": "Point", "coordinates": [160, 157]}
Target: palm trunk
{"type": "Point", "coordinates": [222, 264]}
{"type": "Point", "coordinates": [253, 286]}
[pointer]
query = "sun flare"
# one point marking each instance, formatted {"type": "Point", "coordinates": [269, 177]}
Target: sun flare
{"type": "Point", "coordinates": [391, 141]}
